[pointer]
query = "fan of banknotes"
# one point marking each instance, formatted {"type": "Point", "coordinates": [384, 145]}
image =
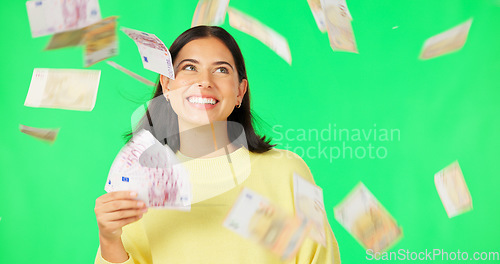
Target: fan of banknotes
{"type": "Point", "coordinates": [152, 170]}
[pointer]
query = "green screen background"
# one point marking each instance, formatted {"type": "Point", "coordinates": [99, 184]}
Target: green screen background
{"type": "Point", "coordinates": [445, 109]}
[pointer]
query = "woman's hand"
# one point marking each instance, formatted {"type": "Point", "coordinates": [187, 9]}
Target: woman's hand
{"type": "Point", "coordinates": [113, 211]}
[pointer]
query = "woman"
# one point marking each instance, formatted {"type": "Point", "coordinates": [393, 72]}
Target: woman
{"type": "Point", "coordinates": [202, 115]}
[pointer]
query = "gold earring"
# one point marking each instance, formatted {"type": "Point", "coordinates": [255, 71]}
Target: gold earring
{"type": "Point", "coordinates": [239, 106]}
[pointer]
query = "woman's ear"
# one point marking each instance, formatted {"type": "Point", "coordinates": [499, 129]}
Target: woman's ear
{"type": "Point", "coordinates": [242, 89]}
{"type": "Point", "coordinates": [164, 85]}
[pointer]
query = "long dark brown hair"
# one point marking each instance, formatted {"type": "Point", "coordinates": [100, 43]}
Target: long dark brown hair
{"type": "Point", "coordinates": [161, 114]}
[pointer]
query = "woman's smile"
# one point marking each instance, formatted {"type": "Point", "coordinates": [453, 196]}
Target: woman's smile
{"type": "Point", "coordinates": [202, 102]}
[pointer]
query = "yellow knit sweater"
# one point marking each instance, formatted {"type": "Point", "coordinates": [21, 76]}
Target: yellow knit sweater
{"type": "Point", "coordinates": [174, 237]}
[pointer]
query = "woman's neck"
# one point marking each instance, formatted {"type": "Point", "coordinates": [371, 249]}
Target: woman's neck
{"type": "Point", "coordinates": [205, 141]}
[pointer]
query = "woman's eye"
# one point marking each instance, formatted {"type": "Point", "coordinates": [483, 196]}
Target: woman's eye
{"type": "Point", "coordinates": [222, 69]}
{"type": "Point", "coordinates": [189, 68]}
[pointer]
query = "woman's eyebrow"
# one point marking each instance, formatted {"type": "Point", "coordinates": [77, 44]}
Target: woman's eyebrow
{"type": "Point", "coordinates": [223, 62]}
{"type": "Point", "coordinates": [190, 60]}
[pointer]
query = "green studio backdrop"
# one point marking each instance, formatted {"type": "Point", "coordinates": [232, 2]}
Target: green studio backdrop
{"type": "Point", "coordinates": [437, 111]}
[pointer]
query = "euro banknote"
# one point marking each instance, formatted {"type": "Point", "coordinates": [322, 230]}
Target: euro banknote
{"type": "Point", "coordinates": [210, 12]}
{"type": "Point", "coordinates": [100, 41]}
{"type": "Point", "coordinates": [319, 15]}
{"type": "Point", "coordinates": [362, 215]}
{"type": "Point", "coordinates": [254, 217]}
{"type": "Point", "coordinates": [449, 41]}
{"type": "Point", "coordinates": [48, 17]}
{"type": "Point", "coordinates": [71, 38]}
{"type": "Point", "coordinates": [338, 25]}
{"type": "Point", "coordinates": [130, 73]}
{"type": "Point", "coordinates": [258, 30]}
{"type": "Point", "coordinates": [154, 54]}
{"type": "Point", "coordinates": [309, 204]}
{"type": "Point", "coordinates": [453, 190]}
{"type": "Point", "coordinates": [69, 89]}
{"type": "Point", "coordinates": [46, 134]}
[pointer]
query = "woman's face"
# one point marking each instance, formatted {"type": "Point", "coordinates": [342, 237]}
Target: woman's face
{"type": "Point", "coordinates": [206, 86]}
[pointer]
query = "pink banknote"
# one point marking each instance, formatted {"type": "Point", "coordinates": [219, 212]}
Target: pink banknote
{"type": "Point", "coordinates": [152, 170]}
{"type": "Point", "coordinates": [154, 54]}
{"type": "Point", "coordinates": [54, 16]}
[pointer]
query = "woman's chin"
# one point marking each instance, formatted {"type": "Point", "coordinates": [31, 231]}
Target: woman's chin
{"type": "Point", "coordinates": [198, 120]}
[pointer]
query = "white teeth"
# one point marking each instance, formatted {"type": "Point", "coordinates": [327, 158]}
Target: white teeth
{"type": "Point", "coordinates": [201, 100]}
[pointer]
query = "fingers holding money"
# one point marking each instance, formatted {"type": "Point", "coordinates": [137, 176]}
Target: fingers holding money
{"type": "Point", "coordinates": [115, 210]}
{"type": "Point", "coordinates": [120, 209]}
{"type": "Point", "coordinates": [117, 203]}
{"type": "Point", "coordinates": [117, 195]}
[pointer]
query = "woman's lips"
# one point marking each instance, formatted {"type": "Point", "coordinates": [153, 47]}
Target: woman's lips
{"type": "Point", "coordinates": [201, 102]}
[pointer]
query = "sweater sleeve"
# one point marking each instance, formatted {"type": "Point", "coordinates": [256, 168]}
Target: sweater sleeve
{"type": "Point", "coordinates": [100, 260]}
{"type": "Point", "coordinates": [312, 252]}
{"type": "Point", "coordinates": [136, 245]}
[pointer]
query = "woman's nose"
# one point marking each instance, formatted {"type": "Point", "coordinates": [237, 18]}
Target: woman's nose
{"type": "Point", "coordinates": [205, 80]}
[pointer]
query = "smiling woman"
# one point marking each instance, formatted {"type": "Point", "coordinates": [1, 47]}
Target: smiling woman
{"type": "Point", "coordinates": [206, 87]}
{"type": "Point", "coordinates": [223, 64]}
{"type": "Point", "coordinates": [202, 115]}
